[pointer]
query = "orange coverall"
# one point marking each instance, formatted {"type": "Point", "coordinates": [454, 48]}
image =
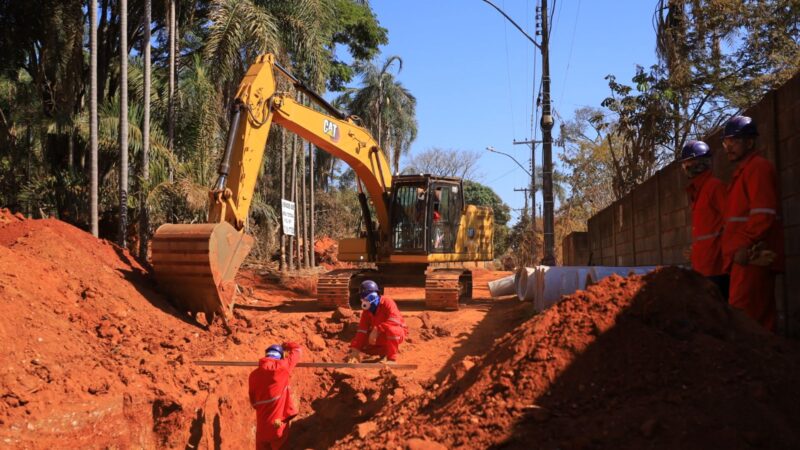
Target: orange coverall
{"type": "Point", "coordinates": [707, 197]}
{"type": "Point", "coordinates": [391, 330]}
{"type": "Point", "coordinates": [751, 216]}
{"type": "Point", "coordinates": [269, 395]}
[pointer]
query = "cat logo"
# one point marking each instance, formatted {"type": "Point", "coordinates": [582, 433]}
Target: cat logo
{"type": "Point", "coordinates": [331, 129]}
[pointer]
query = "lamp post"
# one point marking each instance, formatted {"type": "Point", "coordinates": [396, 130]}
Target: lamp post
{"type": "Point", "coordinates": [530, 191]}
{"type": "Point", "coordinates": [546, 124]}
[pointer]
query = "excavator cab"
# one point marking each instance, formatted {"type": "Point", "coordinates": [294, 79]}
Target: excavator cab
{"type": "Point", "coordinates": [426, 213]}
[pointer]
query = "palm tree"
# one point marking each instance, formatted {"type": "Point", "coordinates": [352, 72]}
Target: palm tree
{"type": "Point", "coordinates": [123, 121]}
{"type": "Point", "coordinates": [387, 109]}
{"type": "Point", "coordinates": [173, 28]}
{"type": "Point", "coordinates": [93, 118]}
{"type": "Point", "coordinates": [144, 222]}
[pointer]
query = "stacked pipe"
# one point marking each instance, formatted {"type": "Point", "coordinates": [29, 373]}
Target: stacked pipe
{"type": "Point", "coordinates": [546, 285]}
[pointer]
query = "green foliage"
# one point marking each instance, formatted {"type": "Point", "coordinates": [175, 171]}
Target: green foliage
{"type": "Point", "coordinates": [359, 30]}
{"type": "Point", "coordinates": [386, 108]}
{"type": "Point", "coordinates": [338, 214]}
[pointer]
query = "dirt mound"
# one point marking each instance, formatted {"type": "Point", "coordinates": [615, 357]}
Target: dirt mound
{"type": "Point", "coordinates": [325, 251]}
{"type": "Point", "coordinates": [654, 361]}
{"type": "Point", "coordinates": [7, 216]}
{"type": "Point", "coordinates": [94, 357]}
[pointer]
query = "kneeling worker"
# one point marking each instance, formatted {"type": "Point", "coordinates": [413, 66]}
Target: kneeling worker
{"type": "Point", "coordinates": [269, 395]}
{"type": "Point", "coordinates": [381, 329]}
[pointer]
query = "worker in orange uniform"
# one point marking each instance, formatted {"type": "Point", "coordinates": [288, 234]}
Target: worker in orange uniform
{"type": "Point", "coordinates": [752, 242]}
{"type": "Point", "coordinates": [269, 395]}
{"type": "Point", "coordinates": [707, 198]}
{"type": "Point", "coordinates": [381, 329]}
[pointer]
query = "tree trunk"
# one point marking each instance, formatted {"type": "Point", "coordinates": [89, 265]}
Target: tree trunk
{"type": "Point", "coordinates": [93, 118]}
{"type": "Point", "coordinates": [171, 94]}
{"type": "Point", "coordinates": [305, 204]}
{"type": "Point", "coordinates": [283, 196]}
{"type": "Point", "coordinates": [313, 209]}
{"type": "Point", "coordinates": [144, 224]}
{"type": "Point", "coordinates": [123, 121]}
{"type": "Point", "coordinates": [293, 188]}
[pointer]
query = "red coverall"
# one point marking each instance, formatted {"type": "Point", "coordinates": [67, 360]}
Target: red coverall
{"type": "Point", "coordinates": [391, 330]}
{"type": "Point", "coordinates": [707, 196]}
{"type": "Point", "coordinates": [269, 395]}
{"type": "Point", "coordinates": [751, 216]}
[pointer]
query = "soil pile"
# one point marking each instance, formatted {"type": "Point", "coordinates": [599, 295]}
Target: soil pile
{"type": "Point", "coordinates": [657, 361]}
{"type": "Point", "coordinates": [93, 357]}
{"type": "Point", "coordinates": [325, 251]}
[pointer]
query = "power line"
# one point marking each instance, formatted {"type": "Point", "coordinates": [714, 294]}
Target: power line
{"type": "Point", "coordinates": [508, 71]}
{"type": "Point", "coordinates": [569, 58]}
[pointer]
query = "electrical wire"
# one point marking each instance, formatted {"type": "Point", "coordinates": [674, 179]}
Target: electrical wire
{"type": "Point", "coordinates": [508, 70]}
{"type": "Point", "coordinates": [569, 58]}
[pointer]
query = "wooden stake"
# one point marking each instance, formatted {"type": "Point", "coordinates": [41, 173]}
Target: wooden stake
{"type": "Point", "coordinates": [315, 365]}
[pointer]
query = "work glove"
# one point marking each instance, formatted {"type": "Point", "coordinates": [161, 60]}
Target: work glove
{"type": "Point", "coordinates": [277, 423]}
{"type": "Point", "coordinates": [373, 336]}
{"type": "Point", "coordinates": [759, 255]}
{"type": "Point", "coordinates": [742, 256]}
{"type": "Point", "coordinates": [353, 356]}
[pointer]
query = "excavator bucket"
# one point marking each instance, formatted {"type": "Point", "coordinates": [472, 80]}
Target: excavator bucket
{"type": "Point", "coordinates": [195, 265]}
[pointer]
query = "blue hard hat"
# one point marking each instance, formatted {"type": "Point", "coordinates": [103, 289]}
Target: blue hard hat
{"type": "Point", "coordinates": [368, 286]}
{"type": "Point", "coordinates": [275, 351]}
{"type": "Point", "coordinates": [739, 127]}
{"type": "Point", "coordinates": [694, 149]}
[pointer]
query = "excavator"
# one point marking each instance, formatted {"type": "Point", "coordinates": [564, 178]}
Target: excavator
{"type": "Point", "coordinates": [417, 230]}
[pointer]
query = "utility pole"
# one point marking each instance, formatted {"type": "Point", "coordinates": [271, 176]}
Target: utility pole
{"type": "Point", "coordinates": [532, 190]}
{"type": "Point", "coordinates": [547, 127]}
{"type": "Point", "coordinates": [547, 145]}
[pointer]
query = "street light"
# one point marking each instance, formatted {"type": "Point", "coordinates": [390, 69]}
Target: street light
{"type": "Point", "coordinates": [494, 150]}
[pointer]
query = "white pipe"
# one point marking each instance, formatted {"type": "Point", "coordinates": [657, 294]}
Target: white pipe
{"type": "Point", "coordinates": [502, 287]}
{"type": "Point", "coordinates": [522, 279]}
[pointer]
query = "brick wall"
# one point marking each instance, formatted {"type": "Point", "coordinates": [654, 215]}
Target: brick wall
{"type": "Point", "coordinates": [652, 224]}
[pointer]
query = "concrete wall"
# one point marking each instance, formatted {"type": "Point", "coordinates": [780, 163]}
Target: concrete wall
{"type": "Point", "coordinates": [652, 224]}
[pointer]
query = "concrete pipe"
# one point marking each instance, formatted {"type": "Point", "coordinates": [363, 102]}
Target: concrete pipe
{"type": "Point", "coordinates": [525, 282]}
{"type": "Point", "coordinates": [502, 287]}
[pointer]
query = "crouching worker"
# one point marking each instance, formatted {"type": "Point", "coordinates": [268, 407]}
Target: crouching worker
{"type": "Point", "coordinates": [270, 396]}
{"type": "Point", "coordinates": [381, 329]}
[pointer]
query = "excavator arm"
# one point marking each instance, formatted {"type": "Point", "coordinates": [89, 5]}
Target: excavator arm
{"type": "Point", "coordinates": [196, 264]}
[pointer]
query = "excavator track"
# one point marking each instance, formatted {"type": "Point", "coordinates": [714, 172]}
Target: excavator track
{"type": "Point", "coordinates": [444, 288]}
{"type": "Point", "coordinates": [333, 288]}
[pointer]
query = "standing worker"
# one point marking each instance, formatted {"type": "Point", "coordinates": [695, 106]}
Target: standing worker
{"type": "Point", "coordinates": [269, 395]}
{"type": "Point", "coordinates": [381, 329]}
{"type": "Point", "coordinates": [707, 198]}
{"type": "Point", "coordinates": [752, 242]}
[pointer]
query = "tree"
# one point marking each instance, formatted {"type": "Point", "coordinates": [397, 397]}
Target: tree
{"type": "Point", "coordinates": [93, 206]}
{"type": "Point", "coordinates": [587, 157]}
{"type": "Point", "coordinates": [445, 163]}
{"type": "Point", "coordinates": [123, 123]}
{"type": "Point", "coordinates": [387, 108]}
{"type": "Point", "coordinates": [481, 195]}
{"type": "Point", "coordinates": [637, 131]}
{"type": "Point", "coordinates": [144, 224]}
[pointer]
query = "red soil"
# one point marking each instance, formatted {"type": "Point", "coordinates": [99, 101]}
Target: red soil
{"type": "Point", "coordinates": [94, 357]}
{"type": "Point", "coordinates": [644, 362]}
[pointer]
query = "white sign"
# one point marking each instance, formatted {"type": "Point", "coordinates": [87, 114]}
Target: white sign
{"type": "Point", "coordinates": [287, 212]}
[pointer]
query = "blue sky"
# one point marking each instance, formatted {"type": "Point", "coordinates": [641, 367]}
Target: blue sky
{"type": "Point", "coordinates": [473, 72]}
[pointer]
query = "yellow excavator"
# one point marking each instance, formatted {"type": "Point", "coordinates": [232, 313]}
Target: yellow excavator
{"type": "Point", "coordinates": [424, 230]}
